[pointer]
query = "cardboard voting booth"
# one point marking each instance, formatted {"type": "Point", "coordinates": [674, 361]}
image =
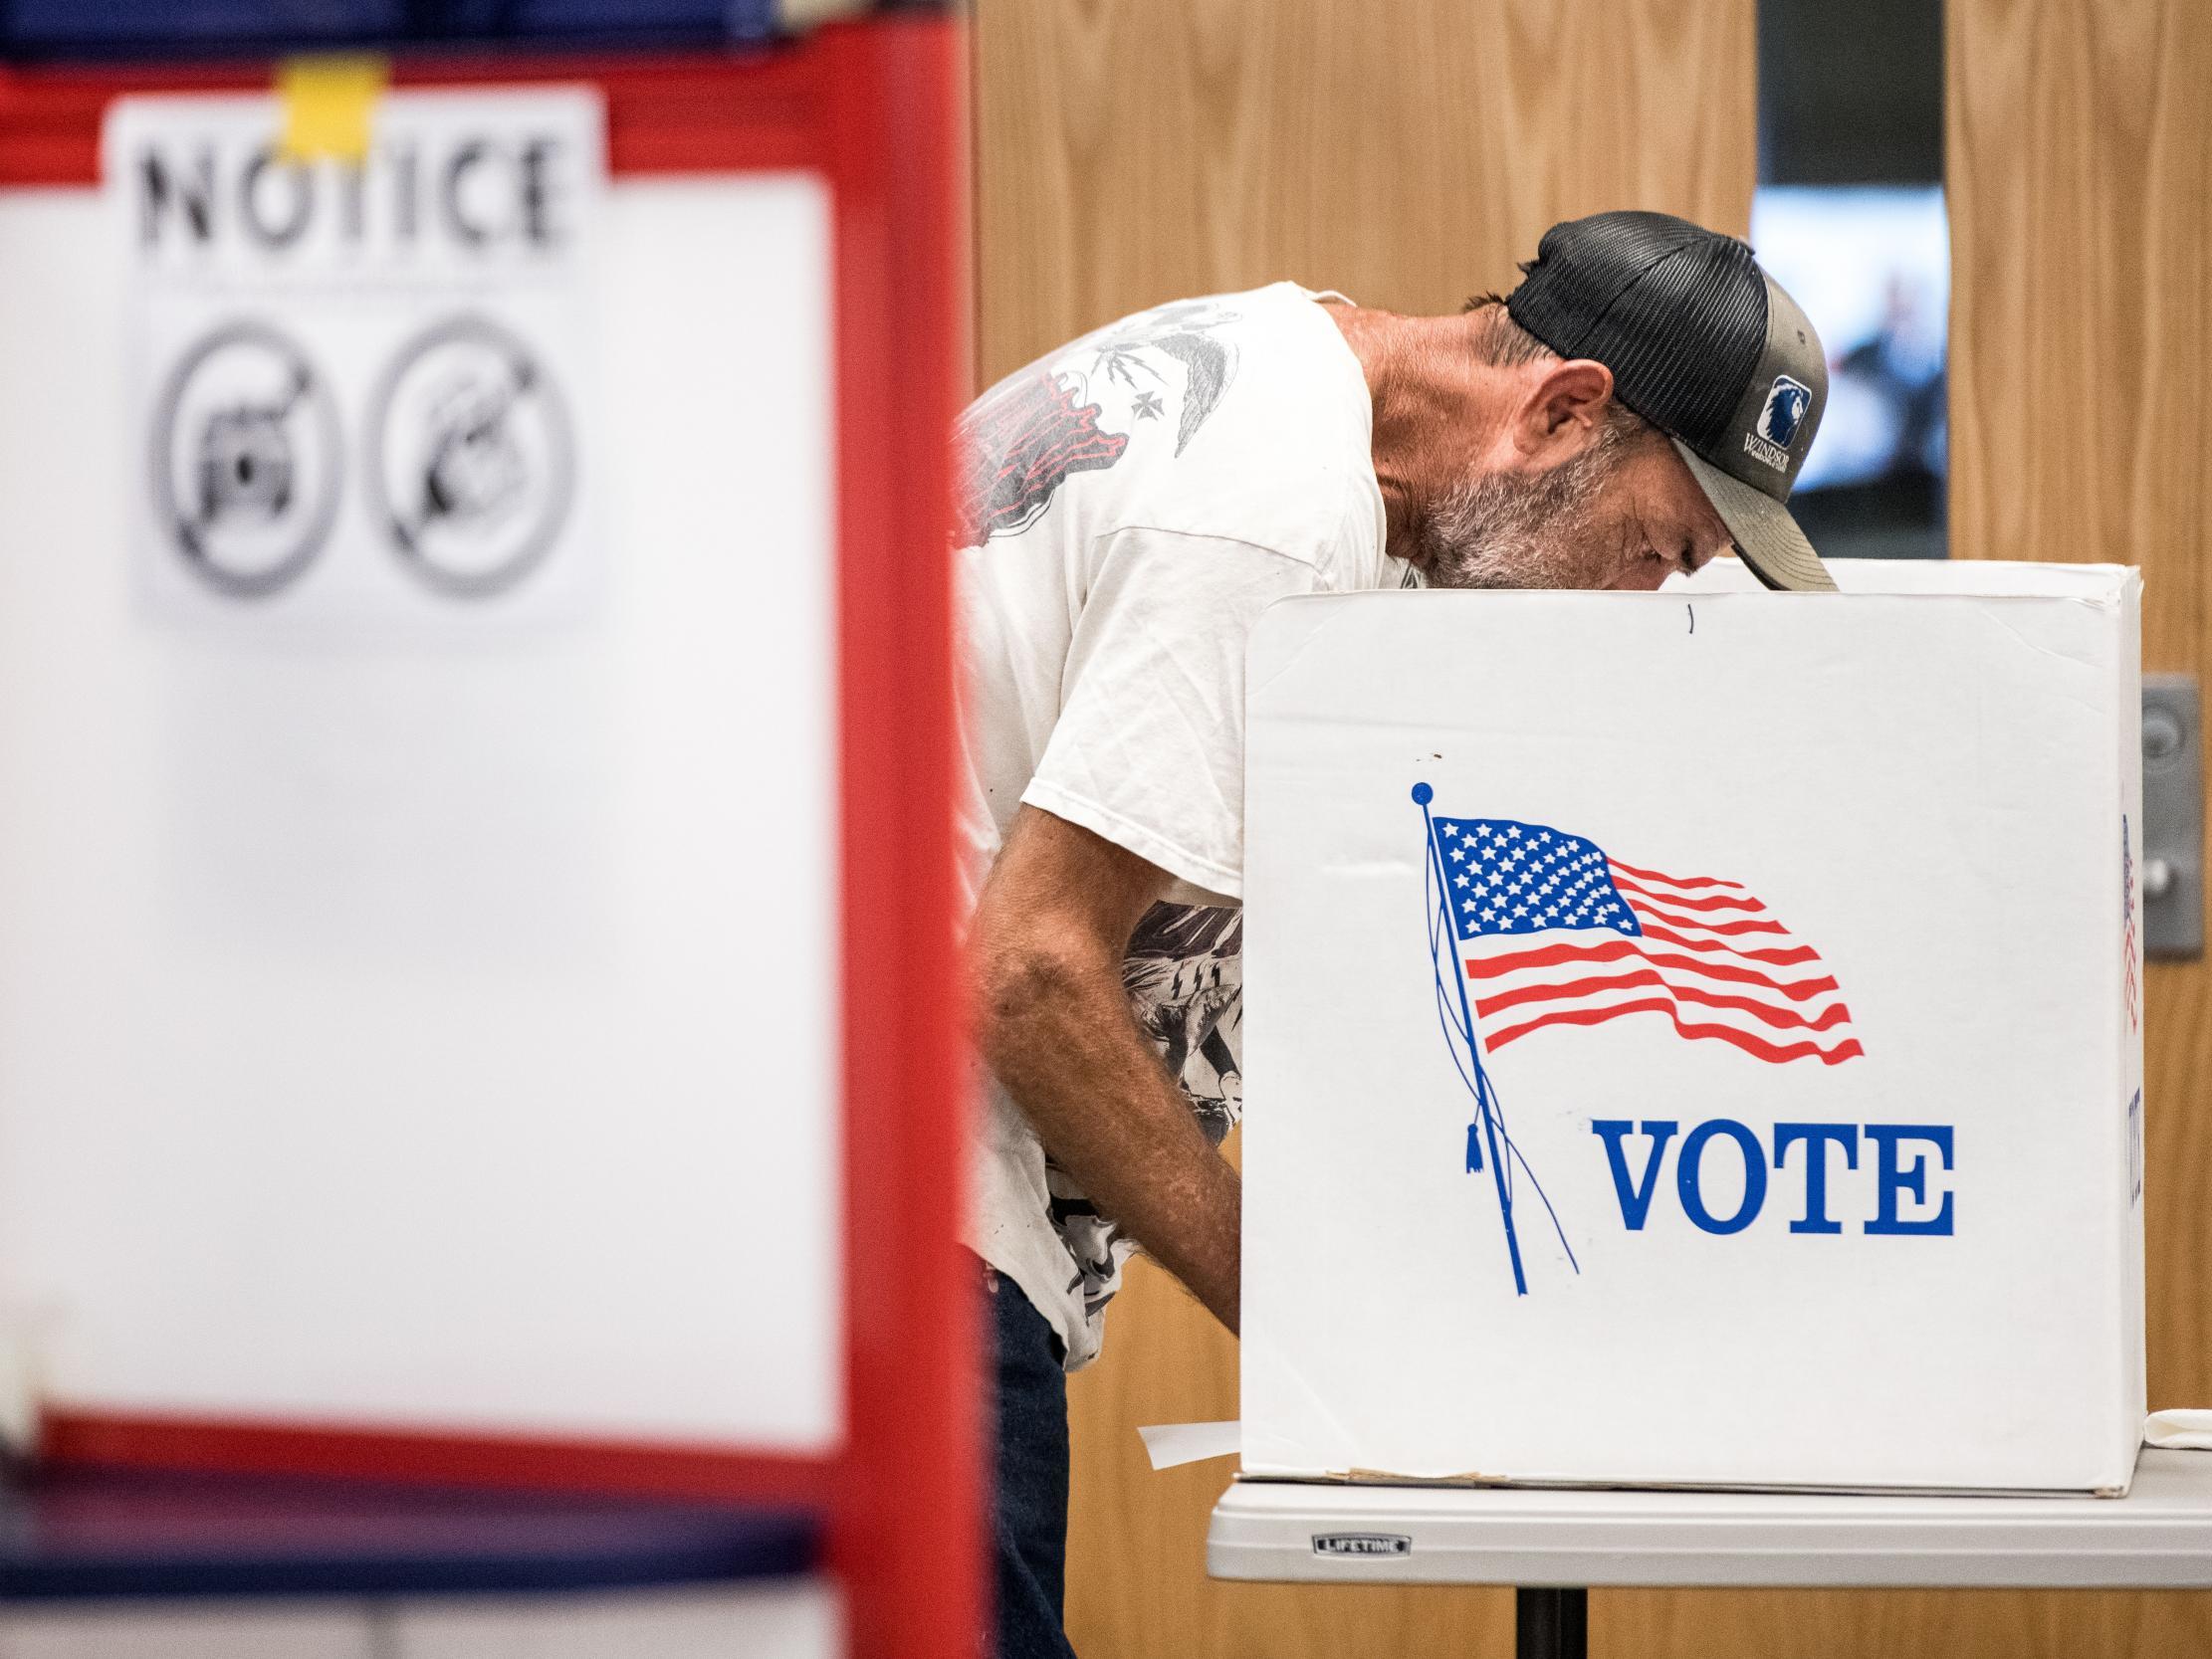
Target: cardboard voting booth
{"type": "Point", "coordinates": [1695, 1038]}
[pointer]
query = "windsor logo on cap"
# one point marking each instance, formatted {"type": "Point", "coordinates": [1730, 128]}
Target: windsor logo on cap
{"type": "Point", "coordinates": [1779, 418]}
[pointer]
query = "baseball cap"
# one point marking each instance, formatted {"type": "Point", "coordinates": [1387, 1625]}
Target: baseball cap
{"type": "Point", "coordinates": [1709, 348]}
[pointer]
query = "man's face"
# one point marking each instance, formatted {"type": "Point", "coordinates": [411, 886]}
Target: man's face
{"type": "Point", "coordinates": [1621, 513]}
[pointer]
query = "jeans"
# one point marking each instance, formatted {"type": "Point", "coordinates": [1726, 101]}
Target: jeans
{"type": "Point", "coordinates": [1029, 1521]}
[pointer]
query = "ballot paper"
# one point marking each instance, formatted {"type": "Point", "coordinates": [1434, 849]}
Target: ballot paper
{"type": "Point", "coordinates": [1695, 1037]}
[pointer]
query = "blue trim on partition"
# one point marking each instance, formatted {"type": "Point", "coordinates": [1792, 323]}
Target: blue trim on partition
{"type": "Point", "coordinates": [91, 1533]}
{"type": "Point", "coordinates": [187, 29]}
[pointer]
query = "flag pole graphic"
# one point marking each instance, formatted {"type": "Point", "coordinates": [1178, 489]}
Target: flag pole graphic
{"type": "Point", "coordinates": [1422, 795]}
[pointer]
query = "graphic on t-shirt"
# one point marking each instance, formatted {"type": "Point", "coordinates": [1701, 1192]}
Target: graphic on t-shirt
{"type": "Point", "coordinates": [1021, 441]}
{"type": "Point", "coordinates": [1184, 972]}
{"type": "Point", "coordinates": [1026, 436]}
{"type": "Point", "coordinates": [1185, 333]}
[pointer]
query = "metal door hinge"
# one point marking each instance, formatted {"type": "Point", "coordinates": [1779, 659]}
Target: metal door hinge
{"type": "Point", "coordinates": [2173, 819]}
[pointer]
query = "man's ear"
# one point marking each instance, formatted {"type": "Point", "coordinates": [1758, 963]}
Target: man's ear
{"type": "Point", "coordinates": [1563, 411]}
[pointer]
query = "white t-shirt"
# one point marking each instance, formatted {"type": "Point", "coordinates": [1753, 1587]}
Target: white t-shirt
{"type": "Point", "coordinates": [1131, 503]}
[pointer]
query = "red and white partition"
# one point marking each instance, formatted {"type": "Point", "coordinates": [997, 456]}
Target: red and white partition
{"type": "Point", "coordinates": [477, 934]}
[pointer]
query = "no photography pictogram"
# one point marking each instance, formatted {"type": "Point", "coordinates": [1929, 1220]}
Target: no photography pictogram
{"type": "Point", "coordinates": [246, 459]}
{"type": "Point", "coordinates": [471, 463]}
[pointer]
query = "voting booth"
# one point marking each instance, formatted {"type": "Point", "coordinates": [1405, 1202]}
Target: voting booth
{"type": "Point", "coordinates": [476, 926]}
{"type": "Point", "coordinates": [1695, 1038]}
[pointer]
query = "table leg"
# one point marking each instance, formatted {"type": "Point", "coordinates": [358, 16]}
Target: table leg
{"type": "Point", "coordinates": [1551, 1624]}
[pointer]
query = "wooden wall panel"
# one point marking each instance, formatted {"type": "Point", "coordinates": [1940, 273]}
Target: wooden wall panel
{"type": "Point", "coordinates": [1405, 152]}
{"type": "Point", "coordinates": [2079, 174]}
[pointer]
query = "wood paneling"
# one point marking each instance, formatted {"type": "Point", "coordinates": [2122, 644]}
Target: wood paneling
{"type": "Point", "coordinates": [1409, 152]}
{"type": "Point", "coordinates": [2080, 175]}
{"type": "Point", "coordinates": [1405, 152]}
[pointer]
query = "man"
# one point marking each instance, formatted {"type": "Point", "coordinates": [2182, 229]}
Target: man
{"type": "Point", "coordinates": [1134, 502]}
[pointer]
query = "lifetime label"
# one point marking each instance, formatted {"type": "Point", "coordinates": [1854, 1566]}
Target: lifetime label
{"type": "Point", "coordinates": [1362, 1543]}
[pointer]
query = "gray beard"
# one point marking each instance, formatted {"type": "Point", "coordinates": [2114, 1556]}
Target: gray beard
{"type": "Point", "coordinates": [1512, 529]}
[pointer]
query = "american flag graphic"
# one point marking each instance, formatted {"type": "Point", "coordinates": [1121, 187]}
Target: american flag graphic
{"type": "Point", "coordinates": [2127, 952]}
{"type": "Point", "coordinates": [1551, 930]}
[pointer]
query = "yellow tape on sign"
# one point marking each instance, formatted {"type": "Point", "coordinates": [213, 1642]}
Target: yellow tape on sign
{"type": "Point", "coordinates": [327, 106]}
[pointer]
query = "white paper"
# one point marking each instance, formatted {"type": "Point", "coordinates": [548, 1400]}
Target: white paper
{"type": "Point", "coordinates": [365, 399]}
{"type": "Point", "coordinates": [2179, 1430]}
{"type": "Point", "coordinates": [1171, 1444]}
{"type": "Point", "coordinates": [399, 1031]}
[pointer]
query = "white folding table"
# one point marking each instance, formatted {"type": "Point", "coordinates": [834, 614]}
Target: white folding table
{"type": "Point", "coordinates": [1553, 1544]}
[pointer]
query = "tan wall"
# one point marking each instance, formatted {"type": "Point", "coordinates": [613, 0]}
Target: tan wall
{"type": "Point", "coordinates": [2080, 141]}
{"type": "Point", "coordinates": [1405, 152]}
{"type": "Point", "coordinates": [1409, 152]}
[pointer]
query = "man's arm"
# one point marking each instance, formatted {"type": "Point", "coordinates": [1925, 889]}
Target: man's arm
{"type": "Point", "coordinates": [1053, 1023]}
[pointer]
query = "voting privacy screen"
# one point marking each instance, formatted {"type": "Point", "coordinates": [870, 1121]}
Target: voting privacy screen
{"type": "Point", "coordinates": [397, 943]}
{"type": "Point", "coordinates": [1695, 1037]}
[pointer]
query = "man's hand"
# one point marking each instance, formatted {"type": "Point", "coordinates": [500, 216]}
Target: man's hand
{"type": "Point", "coordinates": [1053, 1023]}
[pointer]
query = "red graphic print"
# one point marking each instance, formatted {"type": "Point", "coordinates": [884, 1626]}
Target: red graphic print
{"type": "Point", "coordinates": [1019, 444]}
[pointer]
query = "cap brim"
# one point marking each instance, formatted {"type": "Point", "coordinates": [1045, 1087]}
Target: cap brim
{"type": "Point", "coordinates": [1766, 536]}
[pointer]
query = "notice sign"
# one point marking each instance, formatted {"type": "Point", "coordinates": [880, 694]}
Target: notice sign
{"type": "Point", "coordinates": [360, 389]}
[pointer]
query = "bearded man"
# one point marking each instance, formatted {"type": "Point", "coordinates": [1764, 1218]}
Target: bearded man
{"type": "Point", "coordinates": [1644, 399]}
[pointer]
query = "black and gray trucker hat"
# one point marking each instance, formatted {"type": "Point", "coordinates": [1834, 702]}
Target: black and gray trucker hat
{"type": "Point", "coordinates": [1709, 348]}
